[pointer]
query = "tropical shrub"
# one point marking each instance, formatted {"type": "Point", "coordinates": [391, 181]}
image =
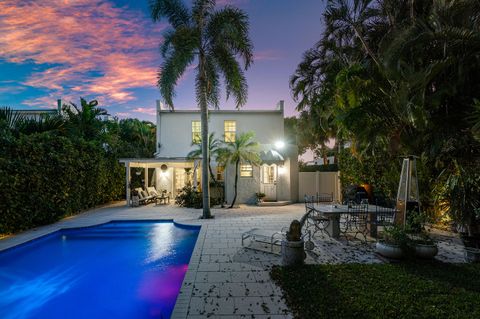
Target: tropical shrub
{"type": "Point", "coordinates": [45, 177]}
{"type": "Point", "coordinates": [189, 197]}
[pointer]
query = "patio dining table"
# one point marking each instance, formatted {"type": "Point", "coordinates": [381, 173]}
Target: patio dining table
{"type": "Point", "coordinates": [334, 211]}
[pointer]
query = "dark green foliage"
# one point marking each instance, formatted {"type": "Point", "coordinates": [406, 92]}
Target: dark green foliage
{"type": "Point", "coordinates": [189, 197]}
{"type": "Point", "coordinates": [408, 290]}
{"type": "Point", "coordinates": [55, 166]}
{"type": "Point", "coordinates": [44, 177]}
{"type": "Point", "coordinates": [394, 78]}
{"type": "Point", "coordinates": [319, 168]}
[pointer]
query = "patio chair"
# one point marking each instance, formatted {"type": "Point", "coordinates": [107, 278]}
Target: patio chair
{"type": "Point", "coordinates": [315, 220]}
{"type": "Point", "coordinates": [152, 192]}
{"type": "Point", "coordinates": [144, 197]}
{"type": "Point", "coordinates": [324, 198]}
{"type": "Point", "coordinates": [385, 212]}
{"type": "Point", "coordinates": [355, 221]}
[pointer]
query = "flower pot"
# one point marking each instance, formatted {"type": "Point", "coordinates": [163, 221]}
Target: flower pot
{"type": "Point", "coordinates": [135, 201]}
{"type": "Point", "coordinates": [293, 253]}
{"type": "Point", "coordinates": [426, 250]}
{"type": "Point", "coordinates": [389, 250]}
{"type": "Point", "coordinates": [472, 255]}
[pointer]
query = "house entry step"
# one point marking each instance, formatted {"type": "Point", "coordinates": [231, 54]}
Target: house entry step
{"type": "Point", "coordinates": [277, 203]}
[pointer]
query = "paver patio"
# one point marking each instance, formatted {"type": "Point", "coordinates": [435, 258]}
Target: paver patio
{"type": "Point", "coordinates": [223, 279]}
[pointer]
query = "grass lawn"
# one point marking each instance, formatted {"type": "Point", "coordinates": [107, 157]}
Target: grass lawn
{"type": "Point", "coordinates": [406, 290]}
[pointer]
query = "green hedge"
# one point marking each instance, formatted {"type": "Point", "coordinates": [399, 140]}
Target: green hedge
{"type": "Point", "coordinates": [44, 177]}
{"type": "Point", "coordinates": [319, 168]}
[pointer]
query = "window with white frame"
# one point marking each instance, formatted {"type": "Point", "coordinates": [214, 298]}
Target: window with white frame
{"type": "Point", "coordinates": [246, 170]}
{"type": "Point", "coordinates": [230, 129]}
{"type": "Point", "coordinates": [196, 132]}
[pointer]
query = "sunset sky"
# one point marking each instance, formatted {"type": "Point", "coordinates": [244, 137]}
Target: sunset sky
{"type": "Point", "coordinates": [108, 50]}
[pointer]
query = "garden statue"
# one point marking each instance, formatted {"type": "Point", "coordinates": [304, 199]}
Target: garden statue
{"type": "Point", "coordinates": [295, 231]}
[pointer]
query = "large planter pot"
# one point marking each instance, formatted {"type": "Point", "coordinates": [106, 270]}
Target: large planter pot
{"type": "Point", "coordinates": [426, 251]}
{"type": "Point", "coordinates": [472, 255]}
{"type": "Point", "coordinates": [389, 250]}
{"type": "Point", "coordinates": [293, 253]}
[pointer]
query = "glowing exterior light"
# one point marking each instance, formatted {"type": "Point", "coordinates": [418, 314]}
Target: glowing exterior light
{"type": "Point", "coordinates": [282, 169]}
{"type": "Point", "coordinates": [279, 144]}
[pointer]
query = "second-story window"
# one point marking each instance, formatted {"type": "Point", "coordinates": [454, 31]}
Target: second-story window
{"type": "Point", "coordinates": [196, 132]}
{"type": "Point", "coordinates": [230, 129]}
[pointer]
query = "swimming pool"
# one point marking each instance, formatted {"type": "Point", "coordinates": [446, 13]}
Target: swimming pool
{"type": "Point", "coordinates": [127, 269]}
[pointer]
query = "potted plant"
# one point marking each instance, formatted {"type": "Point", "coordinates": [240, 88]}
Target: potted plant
{"type": "Point", "coordinates": [135, 198]}
{"type": "Point", "coordinates": [260, 196]}
{"type": "Point", "coordinates": [458, 195]}
{"type": "Point", "coordinates": [422, 245]}
{"type": "Point", "coordinates": [394, 244]}
{"type": "Point", "coordinates": [293, 252]}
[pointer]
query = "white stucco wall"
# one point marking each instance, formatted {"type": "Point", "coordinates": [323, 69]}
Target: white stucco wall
{"type": "Point", "coordinates": [174, 129]}
{"type": "Point", "coordinates": [174, 138]}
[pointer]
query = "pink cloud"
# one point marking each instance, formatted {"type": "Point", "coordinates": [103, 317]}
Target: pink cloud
{"type": "Point", "coordinates": [267, 55]}
{"type": "Point", "coordinates": [94, 47]}
{"type": "Point", "coordinates": [145, 110]}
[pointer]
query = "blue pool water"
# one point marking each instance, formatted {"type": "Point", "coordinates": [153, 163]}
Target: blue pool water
{"type": "Point", "coordinates": [114, 270]}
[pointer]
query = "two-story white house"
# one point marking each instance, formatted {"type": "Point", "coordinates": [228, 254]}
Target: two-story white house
{"type": "Point", "coordinates": [277, 176]}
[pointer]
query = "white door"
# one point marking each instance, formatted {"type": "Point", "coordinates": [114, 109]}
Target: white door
{"type": "Point", "coordinates": [269, 182]}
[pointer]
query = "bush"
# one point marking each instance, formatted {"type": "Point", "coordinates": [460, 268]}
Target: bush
{"type": "Point", "coordinates": [189, 197]}
{"type": "Point", "coordinates": [320, 168]}
{"type": "Point", "coordinates": [44, 177]}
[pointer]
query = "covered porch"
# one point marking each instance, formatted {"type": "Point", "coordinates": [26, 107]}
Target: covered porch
{"type": "Point", "coordinates": [164, 174]}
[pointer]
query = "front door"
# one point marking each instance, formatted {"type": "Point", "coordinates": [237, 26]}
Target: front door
{"type": "Point", "coordinates": [269, 182]}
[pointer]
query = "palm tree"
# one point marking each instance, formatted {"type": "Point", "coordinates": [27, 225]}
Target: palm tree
{"type": "Point", "coordinates": [214, 39]}
{"type": "Point", "coordinates": [83, 121]}
{"type": "Point", "coordinates": [243, 150]}
{"type": "Point", "coordinates": [213, 148]}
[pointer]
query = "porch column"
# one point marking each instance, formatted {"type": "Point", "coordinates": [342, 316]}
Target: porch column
{"type": "Point", "coordinates": [127, 182]}
{"type": "Point", "coordinates": [146, 176]}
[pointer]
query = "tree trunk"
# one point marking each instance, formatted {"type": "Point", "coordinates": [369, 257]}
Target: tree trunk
{"type": "Point", "coordinates": [236, 183]}
{"type": "Point", "coordinates": [211, 173]}
{"type": "Point", "coordinates": [205, 150]}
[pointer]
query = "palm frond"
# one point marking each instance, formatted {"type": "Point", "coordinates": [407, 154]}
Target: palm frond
{"type": "Point", "coordinates": [229, 27]}
{"type": "Point", "coordinates": [175, 11]}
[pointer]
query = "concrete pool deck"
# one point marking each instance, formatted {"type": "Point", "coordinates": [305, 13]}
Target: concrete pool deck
{"type": "Point", "coordinates": [225, 280]}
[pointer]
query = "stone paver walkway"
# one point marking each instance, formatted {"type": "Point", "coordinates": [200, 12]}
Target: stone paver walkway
{"type": "Point", "coordinates": [225, 280]}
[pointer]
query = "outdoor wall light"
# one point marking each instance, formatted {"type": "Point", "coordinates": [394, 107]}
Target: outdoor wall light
{"type": "Point", "coordinates": [279, 144]}
{"type": "Point", "coordinates": [164, 170]}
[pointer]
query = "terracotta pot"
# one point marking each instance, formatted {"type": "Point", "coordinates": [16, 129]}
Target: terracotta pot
{"type": "Point", "coordinates": [426, 251]}
{"type": "Point", "coordinates": [389, 250]}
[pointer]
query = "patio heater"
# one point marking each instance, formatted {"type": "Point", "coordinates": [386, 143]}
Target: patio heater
{"type": "Point", "coordinates": [408, 200]}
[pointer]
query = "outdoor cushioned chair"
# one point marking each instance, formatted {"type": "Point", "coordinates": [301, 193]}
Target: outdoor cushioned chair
{"type": "Point", "coordinates": [144, 197]}
{"type": "Point", "coordinates": [153, 192]}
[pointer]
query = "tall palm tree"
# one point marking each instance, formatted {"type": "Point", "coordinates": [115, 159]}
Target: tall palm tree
{"type": "Point", "coordinates": [213, 40]}
{"type": "Point", "coordinates": [243, 150]}
{"type": "Point", "coordinates": [214, 146]}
